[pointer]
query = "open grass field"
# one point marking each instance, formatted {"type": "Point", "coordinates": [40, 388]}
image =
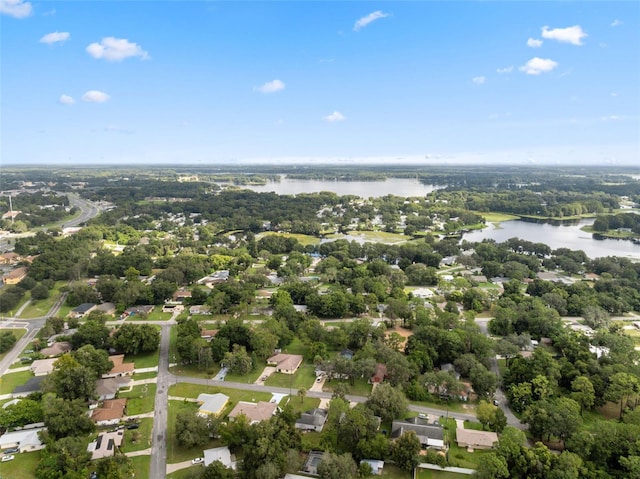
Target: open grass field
{"type": "Point", "coordinates": [140, 399]}
{"type": "Point", "coordinates": [304, 240]}
{"type": "Point", "coordinates": [141, 466]}
{"type": "Point", "coordinates": [296, 347]}
{"type": "Point", "coordinates": [431, 474]}
{"type": "Point", "coordinates": [149, 375]}
{"type": "Point", "coordinates": [142, 436]}
{"type": "Point", "coordinates": [192, 370]}
{"type": "Point", "coordinates": [155, 315]}
{"type": "Point", "coordinates": [495, 217]}
{"type": "Point", "coordinates": [143, 360]}
{"type": "Point", "coordinates": [300, 406]}
{"type": "Point", "coordinates": [38, 308]}
{"type": "Point", "coordinates": [22, 467]}
{"type": "Point", "coordinates": [193, 390]}
{"type": "Point", "coordinates": [9, 381]}
{"type": "Point", "coordinates": [183, 473]}
{"type": "Point", "coordinates": [303, 378]}
{"type": "Point", "coordinates": [250, 377]}
{"type": "Point", "coordinates": [361, 387]}
{"type": "Point", "coordinates": [18, 333]}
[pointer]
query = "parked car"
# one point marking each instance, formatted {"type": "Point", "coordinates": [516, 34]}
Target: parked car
{"type": "Point", "coordinates": [133, 426]}
{"type": "Point", "coordinates": [11, 450]}
{"type": "Point", "coordinates": [8, 458]}
{"type": "Point", "coordinates": [197, 460]}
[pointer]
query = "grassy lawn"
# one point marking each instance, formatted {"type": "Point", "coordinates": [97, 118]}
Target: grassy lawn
{"type": "Point", "coordinates": [143, 435]}
{"type": "Point", "coordinates": [139, 376]}
{"type": "Point", "coordinates": [304, 240]}
{"type": "Point", "coordinates": [18, 333]}
{"type": "Point", "coordinates": [235, 395]}
{"type": "Point", "coordinates": [176, 453]}
{"type": "Point", "coordinates": [38, 308]}
{"type": "Point", "coordinates": [64, 310]}
{"type": "Point", "coordinates": [140, 399]}
{"type": "Point", "coordinates": [155, 315]}
{"type": "Point", "coordinates": [144, 360]}
{"type": "Point", "coordinates": [251, 377]}
{"type": "Point", "coordinates": [394, 472]}
{"type": "Point", "coordinates": [430, 474]}
{"type": "Point", "coordinates": [468, 408]}
{"type": "Point", "coordinates": [22, 467]}
{"type": "Point", "coordinates": [141, 465]}
{"type": "Point", "coordinates": [296, 347]}
{"type": "Point", "coordinates": [459, 456]}
{"type": "Point", "coordinates": [360, 388]}
{"type": "Point", "coordinates": [182, 473]}
{"type": "Point", "coordinates": [303, 378]}
{"type": "Point", "coordinates": [300, 406]}
{"type": "Point", "coordinates": [192, 370]}
{"type": "Point", "coordinates": [495, 217]}
{"type": "Point", "coordinates": [9, 381]}
{"type": "Point", "coordinates": [473, 425]}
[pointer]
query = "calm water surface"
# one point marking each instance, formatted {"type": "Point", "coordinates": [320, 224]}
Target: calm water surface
{"type": "Point", "coordinates": [364, 189]}
{"type": "Point", "coordinates": [563, 236]}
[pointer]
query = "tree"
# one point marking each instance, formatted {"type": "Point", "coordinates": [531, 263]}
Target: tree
{"type": "Point", "coordinates": [334, 466]}
{"type": "Point", "coordinates": [485, 412]}
{"type": "Point", "coordinates": [405, 451]}
{"type": "Point", "coordinates": [583, 392]}
{"type": "Point", "coordinates": [115, 467]}
{"type": "Point", "coordinates": [238, 361]}
{"type": "Point", "coordinates": [66, 458]}
{"type": "Point", "coordinates": [217, 470]}
{"type": "Point", "coordinates": [97, 360]}
{"type": "Point", "coordinates": [492, 466]}
{"type": "Point", "coordinates": [40, 291]}
{"type": "Point", "coordinates": [484, 382]}
{"type": "Point", "coordinates": [136, 338]}
{"type": "Point", "coordinates": [7, 340]}
{"type": "Point", "coordinates": [387, 402]}
{"type": "Point", "coordinates": [302, 393]}
{"type": "Point", "coordinates": [91, 332]}
{"type": "Point", "coordinates": [71, 380]}
{"type": "Point", "coordinates": [356, 426]}
{"type": "Point", "coordinates": [191, 429]}
{"type": "Point", "coordinates": [26, 411]}
{"type": "Point", "coordinates": [65, 418]}
{"type": "Point", "coordinates": [621, 386]}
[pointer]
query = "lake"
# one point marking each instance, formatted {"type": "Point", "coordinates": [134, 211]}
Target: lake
{"type": "Point", "coordinates": [567, 235]}
{"type": "Point", "coordinates": [364, 189]}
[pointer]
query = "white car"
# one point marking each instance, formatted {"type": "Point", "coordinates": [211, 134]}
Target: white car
{"type": "Point", "coordinates": [197, 460]}
{"type": "Point", "coordinates": [8, 458]}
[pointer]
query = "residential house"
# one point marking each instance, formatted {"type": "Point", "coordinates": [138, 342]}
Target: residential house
{"type": "Point", "coordinates": [111, 412]}
{"type": "Point", "coordinates": [199, 309]}
{"type": "Point", "coordinates": [212, 404]}
{"type": "Point", "coordinates": [222, 454]}
{"type": "Point", "coordinates": [27, 439]}
{"type": "Point", "coordinates": [120, 368]}
{"type": "Point", "coordinates": [422, 293]}
{"type": "Point", "coordinates": [105, 445]}
{"type": "Point", "coordinates": [208, 334]}
{"type": "Point", "coordinates": [15, 276]}
{"type": "Point", "coordinates": [450, 368]}
{"type": "Point", "coordinates": [141, 310]}
{"type": "Point", "coordinates": [285, 363]}
{"type": "Point", "coordinates": [181, 295]}
{"type": "Point", "coordinates": [82, 310]}
{"type": "Point", "coordinates": [42, 367]}
{"type": "Point", "coordinates": [255, 412]}
{"type": "Point", "coordinates": [312, 420]}
{"type": "Point", "coordinates": [472, 439]}
{"type": "Point", "coordinates": [56, 349]}
{"type": "Point", "coordinates": [430, 435]}
{"type": "Point", "coordinates": [172, 308]}
{"type": "Point", "coordinates": [108, 388]}
{"type": "Point", "coordinates": [9, 258]}
{"type": "Point", "coordinates": [377, 465]}
{"type": "Point", "coordinates": [107, 308]}
{"type": "Point", "coordinates": [379, 374]}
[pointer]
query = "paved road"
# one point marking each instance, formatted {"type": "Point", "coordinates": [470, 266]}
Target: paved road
{"type": "Point", "coordinates": [87, 210]}
{"type": "Point", "coordinates": [158, 468]}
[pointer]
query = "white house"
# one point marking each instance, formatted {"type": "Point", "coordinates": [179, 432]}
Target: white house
{"type": "Point", "coordinates": [222, 454]}
{"type": "Point", "coordinates": [26, 439]}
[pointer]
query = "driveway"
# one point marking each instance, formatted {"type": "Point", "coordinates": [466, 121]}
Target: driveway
{"type": "Point", "coordinates": [268, 371]}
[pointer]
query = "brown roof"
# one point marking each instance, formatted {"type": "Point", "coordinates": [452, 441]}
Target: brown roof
{"type": "Point", "coordinates": [111, 409]}
{"type": "Point", "coordinates": [10, 255]}
{"type": "Point", "coordinates": [208, 333]}
{"type": "Point", "coordinates": [119, 366]}
{"type": "Point", "coordinates": [286, 361]}
{"type": "Point", "coordinates": [255, 412]}
{"type": "Point", "coordinates": [56, 349]}
{"type": "Point", "coordinates": [471, 437]}
{"type": "Point", "coordinates": [16, 273]}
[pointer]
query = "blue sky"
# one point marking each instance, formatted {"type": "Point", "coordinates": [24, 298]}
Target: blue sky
{"type": "Point", "coordinates": [208, 82]}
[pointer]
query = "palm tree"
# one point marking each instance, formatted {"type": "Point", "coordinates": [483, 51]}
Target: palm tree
{"type": "Point", "coordinates": [302, 392]}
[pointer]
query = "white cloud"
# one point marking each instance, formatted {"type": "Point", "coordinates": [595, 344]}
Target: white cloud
{"type": "Point", "coordinates": [536, 66]}
{"type": "Point", "coordinates": [616, 23]}
{"type": "Point", "coordinates": [116, 49]}
{"type": "Point", "coordinates": [533, 43]}
{"type": "Point", "coordinates": [613, 93]}
{"type": "Point", "coordinates": [16, 8]}
{"type": "Point", "coordinates": [271, 86]}
{"type": "Point", "coordinates": [95, 96]}
{"type": "Point", "coordinates": [55, 37]}
{"type": "Point", "coordinates": [479, 80]}
{"type": "Point", "coordinates": [66, 100]}
{"type": "Point", "coordinates": [508, 69]}
{"type": "Point", "coordinates": [335, 116]}
{"type": "Point", "coordinates": [367, 19]}
{"type": "Point", "coordinates": [573, 35]}
{"type": "Point", "coordinates": [613, 118]}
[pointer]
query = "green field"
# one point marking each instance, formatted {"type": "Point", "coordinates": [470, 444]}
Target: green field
{"type": "Point", "coordinates": [193, 390]}
{"type": "Point", "coordinates": [431, 474]}
{"type": "Point", "coordinates": [142, 436]}
{"type": "Point", "coordinates": [144, 360]}
{"type": "Point", "coordinates": [9, 381]}
{"type": "Point", "coordinates": [361, 387]}
{"type": "Point", "coordinates": [141, 465]}
{"type": "Point", "coordinates": [303, 378]}
{"type": "Point", "coordinates": [183, 473]}
{"type": "Point", "coordinates": [38, 308]}
{"type": "Point", "coordinates": [249, 378]}
{"type": "Point", "coordinates": [495, 217]}
{"type": "Point", "coordinates": [22, 467]}
{"type": "Point", "coordinates": [304, 240]}
{"type": "Point", "coordinates": [139, 376]}
{"type": "Point", "coordinates": [300, 406]}
{"type": "Point", "coordinates": [140, 400]}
